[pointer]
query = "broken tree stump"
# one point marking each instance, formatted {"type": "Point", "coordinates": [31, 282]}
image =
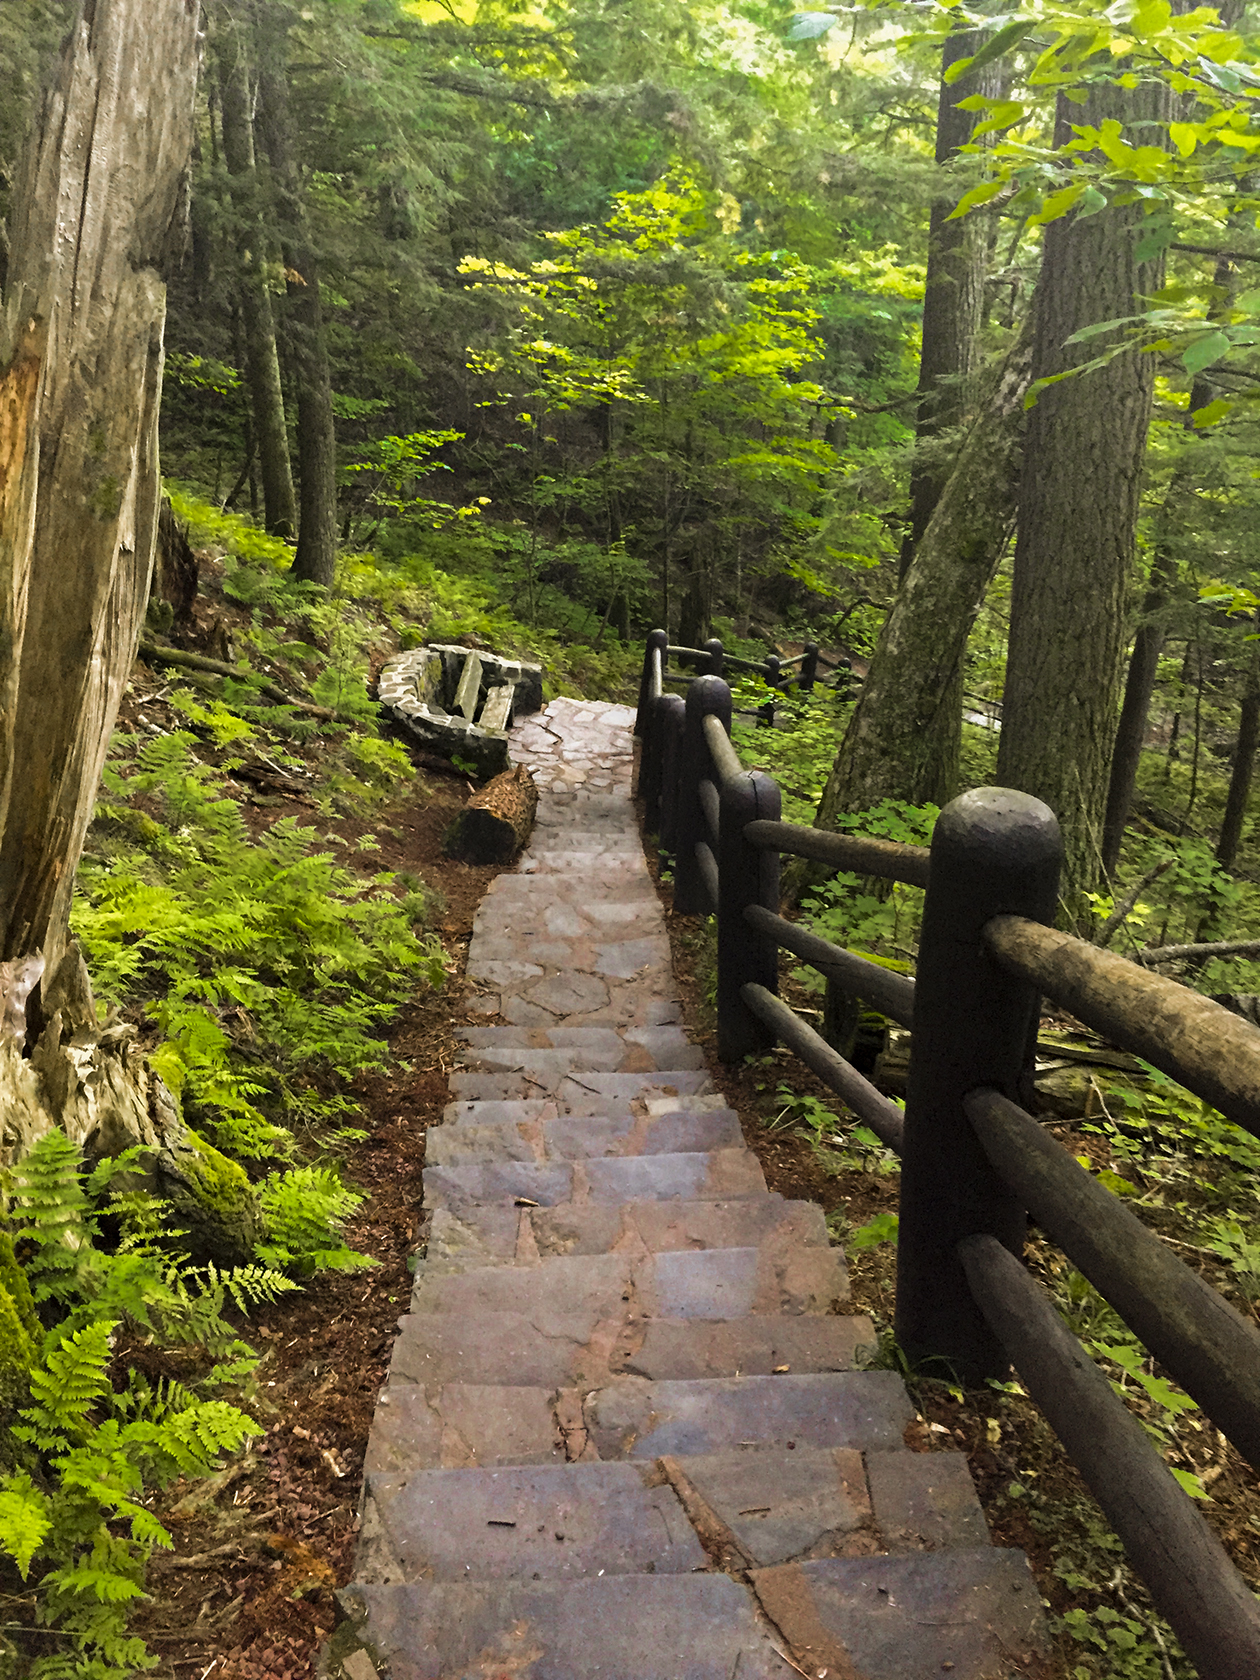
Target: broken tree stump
{"type": "Point", "coordinates": [496, 822]}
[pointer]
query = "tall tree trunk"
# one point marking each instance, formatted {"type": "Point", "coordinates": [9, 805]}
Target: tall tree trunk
{"type": "Point", "coordinates": [953, 300]}
{"type": "Point", "coordinates": [1244, 763]}
{"type": "Point", "coordinates": [1078, 506]}
{"type": "Point", "coordinates": [316, 557]}
{"type": "Point", "coordinates": [262, 361]}
{"type": "Point", "coordinates": [80, 381]}
{"type": "Point", "coordinates": [902, 740]}
{"type": "Point", "coordinates": [1148, 643]}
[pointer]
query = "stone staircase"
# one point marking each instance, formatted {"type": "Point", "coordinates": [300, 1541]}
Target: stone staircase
{"type": "Point", "coordinates": [626, 1434]}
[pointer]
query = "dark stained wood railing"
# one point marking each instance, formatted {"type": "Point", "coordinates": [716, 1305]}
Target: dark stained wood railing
{"type": "Point", "coordinates": [974, 1164]}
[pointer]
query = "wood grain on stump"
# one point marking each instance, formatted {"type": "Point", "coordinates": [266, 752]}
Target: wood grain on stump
{"type": "Point", "coordinates": [496, 822]}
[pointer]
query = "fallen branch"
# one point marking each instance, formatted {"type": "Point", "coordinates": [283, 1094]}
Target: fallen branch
{"type": "Point", "coordinates": [1184, 953]}
{"type": "Point", "coordinates": [151, 652]}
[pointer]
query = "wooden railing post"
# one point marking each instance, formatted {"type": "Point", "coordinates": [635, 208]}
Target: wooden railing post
{"type": "Point", "coordinates": [992, 849]}
{"type": "Point", "coordinates": [772, 671]}
{"type": "Point", "coordinates": [747, 875]}
{"type": "Point", "coordinates": [809, 667]}
{"type": "Point", "coordinates": [706, 695]}
{"type": "Point", "coordinates": [657, 639]}
{"type": "Point", "coordinates": [672, 715]}
{"type": "Point", "coordinates": [713, 647]}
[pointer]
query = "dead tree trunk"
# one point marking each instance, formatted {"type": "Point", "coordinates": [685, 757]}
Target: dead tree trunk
{"type": "Point", "coordinates": [80, 380]}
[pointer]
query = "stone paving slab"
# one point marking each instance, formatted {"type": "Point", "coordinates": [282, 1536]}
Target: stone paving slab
{"type": "Point", "coordinates": [634, 1419]}
{"type": "Point", "coordinates": [460, 1425]}
{"type": "Point", "coordinates": [925, 1501]}
{"type": "Point", "coordinates": [811, 1502]}
{"type": "Point", "coordinates": [651, 1627]}
{"type": "Point", "coordinates": [545, 1523]}
{"type": "Point", "coordinates": [576, 1086]}
{"type": "Point", "coordinates": [505, 1348]}
{"type": "Point", "coordinates": [974, 1615]}
{"type": "Point", "coordinates": [688, 1350]}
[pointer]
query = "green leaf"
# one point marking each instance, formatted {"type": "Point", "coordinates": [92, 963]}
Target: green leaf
{"type": "Point", "coordinates": [808, 26]}
{"type": "Point", "coordinates": [24, 1519]}
{"type": "Point", "coordinates": [1204, 351]}
{"type": "Point", "coordinates": [1210, 413]}
{"type": "Point", "coordinates": [1190, 1484]}
{"type": "Point", "coordinates": [1091, 202]}
{"type": "Point", "coordinates": [994, 47]}
{"type": "Point", "coordinates": [1185, 136]}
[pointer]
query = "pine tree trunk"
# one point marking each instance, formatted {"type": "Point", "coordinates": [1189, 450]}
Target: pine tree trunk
{"type": "Point", "coordinates": [262, 361]}
{"type": "Point", "coordinates": [1078, 506]}
{"type": "Point", "coordinates": [1244, 764]}
{"type": "Point", "coordinates": [902, 740]}
{"type": "Point", "coordinates": [316, 557]}
{"type": "Point", "coordinates": [953, 301]}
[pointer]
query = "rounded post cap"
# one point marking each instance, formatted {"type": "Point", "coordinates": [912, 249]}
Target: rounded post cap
{"type": "Point", "coordinates": [998, 829]}
{"type": "Point", "coordinates": [709, 694]}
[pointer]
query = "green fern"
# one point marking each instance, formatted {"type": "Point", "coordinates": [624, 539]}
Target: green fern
{"type": "Point", "coordinates": [66, 1387]}
{"type": "Point", "coordinates": [305, 1211]}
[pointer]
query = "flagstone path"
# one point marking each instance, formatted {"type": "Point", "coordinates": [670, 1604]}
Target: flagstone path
{"type": "Point", "coordinates": [625, 1435]}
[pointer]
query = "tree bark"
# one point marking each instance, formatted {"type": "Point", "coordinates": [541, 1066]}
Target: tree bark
{"type": "Point", "coordinates": [80, 380]}
{"type": "Point", "coordinates": [262, 361]}
{"type": "Point", "coordinates": [1244, 764]}
{"type": "Point", "coordinates": [902, 739]}
{"type": "Point", "coordinates": [1078, 505]}
{"type": "Point", "coordinates": [316, 557]}
{"type": "Point", "coordinates": [953, 302]}
{"type": "Point", "coordinates": [80, 376]}
{"type": "Point", "coordinates": [1139, 688]}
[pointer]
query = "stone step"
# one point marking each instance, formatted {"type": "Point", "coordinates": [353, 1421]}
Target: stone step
{"type": "Point", "coordinates": [610, 862]}
{"type": "Point", "coordinates": [974, 1615]}
{"type": "Point", "coordinates": [551, 1520]}
{"type": "Point", "coordinates": [511, 956]}
{"type": "Point", "coordinates": [576, 1137]}
{"type": "Point", "coordinates": [546, 918]}
{"type": "Point", "coordinates": [580, 1086]}
{"type": "Point", "coordinates": [536, 1522]}
{"type": "Point", "coordinates": [475, 1235]}
{"type": "Point", "coordinates": [658, 1041]}
{"type": "Point", "coordinates": [567, 837]}
{"type": "Point", "coordinates": [618, 1627]}
{"type": "Point", "coordinates": [590, 1106]}
{"type": "Point", "coordinates": [712, 1175]}
{"type": "Point", "coordinates": [543, 999]}
{"type": "Point", "coordinates": [511, 1349]}
{"type": "Point", "coordinates": [633, 1418]}
{"type": "Point", "coordinates": [603, 1289]}
{"type": "Point", "coordinates": [551, 1065]}
{"type": "Point", "coordinates": [627, 888]}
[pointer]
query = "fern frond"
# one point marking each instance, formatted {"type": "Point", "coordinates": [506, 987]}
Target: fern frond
{"type": "Point", "coordinates": [24, 1519]}
{"type": "Point", "coordinates": [69, 1383]}
{"type": "Point", "coordinates": [48, 1191]}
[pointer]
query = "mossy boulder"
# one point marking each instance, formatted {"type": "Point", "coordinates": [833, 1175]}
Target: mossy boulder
{"type": "Point", "coordinates": [212, 1197]}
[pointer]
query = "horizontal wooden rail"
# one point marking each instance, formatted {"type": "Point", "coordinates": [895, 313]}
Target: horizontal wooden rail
{"type": "Point", "coordinates": [725, 758]}
{"type": "Point", "coordinates": [688, 653]}
{"type": "Point", "coordinates": [892, 994]}
{"type": "Point", "coordinates": [708, 871]}
{"type": "Point", "coordinates": [883, 1117]}
{"type": "Point", "coordinates": [1202, 1045]}
{"type": "Point", "coordinates": [1211, 1349]}
{"type": "Point", "coordinates": [860, 853]}
{"type": "Point", "coordinates": [1211, 1608]}
{"type": "Point", "coordinates": [710, 804]}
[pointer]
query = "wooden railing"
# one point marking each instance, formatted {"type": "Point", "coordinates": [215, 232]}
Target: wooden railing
{"type": "Point", "coordinates": [974, 1164]}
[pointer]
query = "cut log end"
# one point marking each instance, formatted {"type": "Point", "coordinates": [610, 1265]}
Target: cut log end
{"type": "Point", "coordinates": [497, 821]}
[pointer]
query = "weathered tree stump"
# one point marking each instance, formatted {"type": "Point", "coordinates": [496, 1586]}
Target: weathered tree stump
{"type": "Point", "coordinates": [496, 822]}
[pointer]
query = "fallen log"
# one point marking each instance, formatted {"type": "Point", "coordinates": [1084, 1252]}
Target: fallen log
{"type": "Point", "coordinates": [183, 661]}
{"type": "Point", "coordinates": [496, 822]}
